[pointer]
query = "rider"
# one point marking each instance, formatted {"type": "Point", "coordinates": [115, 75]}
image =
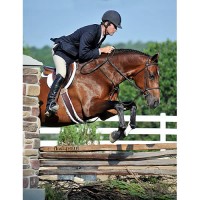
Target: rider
{"type": "Point", "coordinates": [84, 44]}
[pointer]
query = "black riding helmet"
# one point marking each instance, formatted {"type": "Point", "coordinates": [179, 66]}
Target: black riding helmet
{"type": "Point", "coordinates": [112, 16]}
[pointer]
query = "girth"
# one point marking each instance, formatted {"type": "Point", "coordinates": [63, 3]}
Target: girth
{"type": "Point", "coordinates": [69, 107]}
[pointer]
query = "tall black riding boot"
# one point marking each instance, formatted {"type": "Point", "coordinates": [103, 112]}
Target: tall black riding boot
{"type": "Point", "coordinates": [52, 106]}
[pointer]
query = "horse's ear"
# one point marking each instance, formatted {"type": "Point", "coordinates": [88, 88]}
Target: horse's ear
{"type": "Point", "coordinates": [154, 58]}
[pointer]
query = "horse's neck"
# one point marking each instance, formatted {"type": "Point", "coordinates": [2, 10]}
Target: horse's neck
{"type": "Point", "coordinates": [128, 65]}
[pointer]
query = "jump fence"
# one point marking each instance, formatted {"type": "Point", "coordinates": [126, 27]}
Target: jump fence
{"type": "Point", "coordinates": [107, 159]}
{"type": "Point", "coordinates": [122, 158]}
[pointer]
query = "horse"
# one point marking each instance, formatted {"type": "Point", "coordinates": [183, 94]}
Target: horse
{"type": "Point", "coordinates": [95, 88]}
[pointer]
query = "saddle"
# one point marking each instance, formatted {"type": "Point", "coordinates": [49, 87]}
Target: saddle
{"type": "Point", "coordinates": [50, 73]}
{"type": "Point", "coordinates": [51, 70]}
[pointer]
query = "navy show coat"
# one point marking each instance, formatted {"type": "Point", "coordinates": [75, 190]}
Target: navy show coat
{"type": "Point", "coordinates": [83, 43]}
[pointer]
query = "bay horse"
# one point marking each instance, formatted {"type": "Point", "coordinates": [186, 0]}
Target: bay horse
{"type": "Point", "coordinates": [95, 88]}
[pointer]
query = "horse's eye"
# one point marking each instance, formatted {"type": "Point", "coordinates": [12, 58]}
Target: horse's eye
{"type": "Point", "coordinates": [151, 76]}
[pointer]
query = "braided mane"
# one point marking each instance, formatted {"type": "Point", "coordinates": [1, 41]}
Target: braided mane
{"type": "Point", "coordinates": [129, 50]}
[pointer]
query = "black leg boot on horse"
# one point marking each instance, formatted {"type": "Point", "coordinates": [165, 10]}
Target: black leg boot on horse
{"type": "Point", "coordinates": [52, 106]}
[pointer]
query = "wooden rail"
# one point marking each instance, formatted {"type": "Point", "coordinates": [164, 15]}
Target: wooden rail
{"type": "Point", "coordinates": [163, 131]}
{"type": "Point", "coordinates": [109, 159]}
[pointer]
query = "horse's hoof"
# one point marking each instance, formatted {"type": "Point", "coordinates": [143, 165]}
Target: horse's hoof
{"type": "Point", "coordinates": [114, 136]}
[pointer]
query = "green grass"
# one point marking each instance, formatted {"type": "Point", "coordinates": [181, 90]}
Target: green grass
{"type": "Point", "coordinates": [145, 188]}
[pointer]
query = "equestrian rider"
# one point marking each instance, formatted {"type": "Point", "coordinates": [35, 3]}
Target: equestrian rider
{"type": "Point", "coordinates": [84, 44]}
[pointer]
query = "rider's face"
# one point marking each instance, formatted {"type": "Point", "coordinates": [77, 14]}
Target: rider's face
{"type": "Point", "coordinates": [111, 29]}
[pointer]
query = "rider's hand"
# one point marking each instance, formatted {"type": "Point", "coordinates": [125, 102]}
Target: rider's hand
{"type": "Point", "coordinates": [107, 49]}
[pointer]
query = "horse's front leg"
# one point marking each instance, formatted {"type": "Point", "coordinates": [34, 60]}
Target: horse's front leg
{"type": "Point", "coordinates": [100, 109]}
{"type": "Point", "coordinates": [133, 117]}
{"type": "Point", "coordinates": [119, 134]}
{"type": "Point", "coordinates": [132, 123]}
{"type": "Point", "coordinates": [120, 111]}
{"type": "Point", "coordinates": [130, 105]}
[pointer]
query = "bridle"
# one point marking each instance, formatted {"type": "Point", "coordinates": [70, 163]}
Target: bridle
{"type": "Point", "coordinates": [144, 92]}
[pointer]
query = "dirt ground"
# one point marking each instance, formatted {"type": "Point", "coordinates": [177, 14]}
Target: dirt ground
{"type": "Point", "coordinates": [98, 190]}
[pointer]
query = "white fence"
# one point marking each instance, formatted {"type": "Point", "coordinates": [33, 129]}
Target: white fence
{"type": "Point", "coordinates": [162, 131]}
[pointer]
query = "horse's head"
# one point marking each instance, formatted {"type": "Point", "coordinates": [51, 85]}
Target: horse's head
{"type": "Point", "coordinates": [135, 65]}
{"type": "Point", "coordinates": [147, 79]}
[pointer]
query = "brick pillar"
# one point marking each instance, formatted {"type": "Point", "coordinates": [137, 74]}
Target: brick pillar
{"type": "Point", "coordinates": [31, 125]}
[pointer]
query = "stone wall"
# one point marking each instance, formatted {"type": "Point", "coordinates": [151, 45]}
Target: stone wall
{"type": "Point", "coordinates": [31, 123]}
